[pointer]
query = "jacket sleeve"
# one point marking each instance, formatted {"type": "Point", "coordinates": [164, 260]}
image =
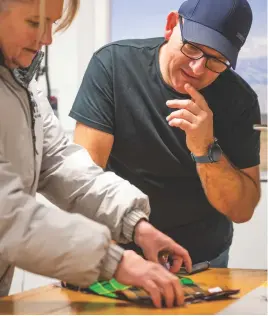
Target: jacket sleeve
{"type": "Point", "coordinates": [71, 180]}
{"type": "Point", "coordinates": [51, 242]}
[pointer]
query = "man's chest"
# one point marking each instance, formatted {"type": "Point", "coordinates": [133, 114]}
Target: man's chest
{"type": "Point", "coordinates": [143, 139]}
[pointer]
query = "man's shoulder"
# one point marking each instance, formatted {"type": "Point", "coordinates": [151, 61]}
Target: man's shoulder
{"type": "Point", "coordinates": [237, 86]}
{"type": "Point", "coordinates": [130, 45]}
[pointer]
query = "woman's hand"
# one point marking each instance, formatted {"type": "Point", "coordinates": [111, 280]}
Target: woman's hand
{"type": "Point", "coordinates": [157, 281]}
{"type": "Point", "coordinates": [153, 242]}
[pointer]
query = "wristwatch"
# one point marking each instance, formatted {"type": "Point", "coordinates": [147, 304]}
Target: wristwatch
{"type": "Point", "coordinates": [214, 154]}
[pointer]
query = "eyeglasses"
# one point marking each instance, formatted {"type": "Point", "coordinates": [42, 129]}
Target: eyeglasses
{"type": "Point", "coordinates": [212, 63]}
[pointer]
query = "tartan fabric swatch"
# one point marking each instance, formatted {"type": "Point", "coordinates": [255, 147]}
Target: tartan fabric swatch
{"type": "Point", "coordinates": [193, 293]}
{"type": "Point", "coordinates": [103, 288]}
{"type": "Point", "coordinates": [107, 288]}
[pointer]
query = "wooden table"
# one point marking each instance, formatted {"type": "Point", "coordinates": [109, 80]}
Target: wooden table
{"type": "Point", "coordinates": [57, 301]}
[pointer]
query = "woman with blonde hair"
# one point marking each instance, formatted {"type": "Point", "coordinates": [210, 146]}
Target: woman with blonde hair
{"type": "Point", "coordinates": [72, 243]}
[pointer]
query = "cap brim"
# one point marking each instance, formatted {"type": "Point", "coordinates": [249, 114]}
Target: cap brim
{"type": "Point", "coordinates": [203, 35]}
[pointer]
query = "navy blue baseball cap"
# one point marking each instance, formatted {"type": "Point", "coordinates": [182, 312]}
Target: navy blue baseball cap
{"type": "Point", "coordinates": [222, 25]}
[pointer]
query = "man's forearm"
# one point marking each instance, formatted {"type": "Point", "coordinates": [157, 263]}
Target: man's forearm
{"type": "Point", "coordinates": [229, 190]}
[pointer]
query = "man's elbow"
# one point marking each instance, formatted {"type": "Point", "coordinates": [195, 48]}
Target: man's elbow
{"type": "Point", "coordinates": [245, 213]}
{"type": "Point", "coordinates": [240, 219]}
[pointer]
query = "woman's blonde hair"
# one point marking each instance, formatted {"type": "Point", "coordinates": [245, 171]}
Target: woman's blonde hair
{"type": "Point", "coordinates": [70, 10]}
{"type": "Point", "coordinates": [69, 14]}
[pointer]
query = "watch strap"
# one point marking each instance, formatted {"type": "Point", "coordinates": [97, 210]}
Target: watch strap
{"type": "Point", "coordinates": [207, 158]}
{"type": "Point", "coordinates": [201, 159]}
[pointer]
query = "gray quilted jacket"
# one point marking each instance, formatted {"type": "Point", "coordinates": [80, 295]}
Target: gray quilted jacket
{"type": "Point", "coordinates": [73, 243]}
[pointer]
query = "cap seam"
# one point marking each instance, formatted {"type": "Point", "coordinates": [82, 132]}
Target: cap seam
{"type": "Point", "coordinates": [232, 10]}
{"type": "Point", "coordinates": [195, 8]}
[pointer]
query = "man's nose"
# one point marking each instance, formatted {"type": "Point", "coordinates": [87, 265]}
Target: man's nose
{"type": "Point", "coordinates": [198, 66]}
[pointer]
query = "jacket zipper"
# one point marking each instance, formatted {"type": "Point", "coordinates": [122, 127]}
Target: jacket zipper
{"type": "Point", "coordinates": [32, 70]}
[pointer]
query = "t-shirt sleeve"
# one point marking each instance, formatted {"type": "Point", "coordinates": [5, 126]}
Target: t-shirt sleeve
{"type": "Point", "coordinates": [242, 145]}
{"type": "Point", "coordinates": [94, 104]}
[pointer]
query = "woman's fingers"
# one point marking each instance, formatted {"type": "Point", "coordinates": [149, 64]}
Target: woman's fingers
{"type": "Point", "coordinates": [170, 287]}
{"type": "Point", "coordinates": [154, 291]}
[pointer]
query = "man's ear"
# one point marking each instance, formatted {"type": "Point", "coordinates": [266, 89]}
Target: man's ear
{"type": "Point", "coordinates": [172, 21]}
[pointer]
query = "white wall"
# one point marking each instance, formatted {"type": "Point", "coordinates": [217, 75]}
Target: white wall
{"type": "Point", "coordinates": [71, 51]}
{"type": "Point", "coordinates": [249, 249]}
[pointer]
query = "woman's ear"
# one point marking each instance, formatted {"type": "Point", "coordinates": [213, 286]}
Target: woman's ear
{"type": "Point", "coordinates": [172, 21]}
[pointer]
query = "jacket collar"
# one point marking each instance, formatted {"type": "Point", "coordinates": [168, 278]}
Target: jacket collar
{"type": "Point", "coordinates": [25, 75]}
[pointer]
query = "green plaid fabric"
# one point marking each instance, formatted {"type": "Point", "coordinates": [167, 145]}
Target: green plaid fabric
{"type": "Point", "coordinates": [107, 288]}
{"type": "Point", "coordinates": [192, 291]}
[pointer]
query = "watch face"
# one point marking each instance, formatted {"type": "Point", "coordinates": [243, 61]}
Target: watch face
{"type": "Point", "coordinates": [216, 152]}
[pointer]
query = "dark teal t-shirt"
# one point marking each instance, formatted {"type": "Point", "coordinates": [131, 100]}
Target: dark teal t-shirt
{"type": "Point", "coordinates": [123, 94]}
